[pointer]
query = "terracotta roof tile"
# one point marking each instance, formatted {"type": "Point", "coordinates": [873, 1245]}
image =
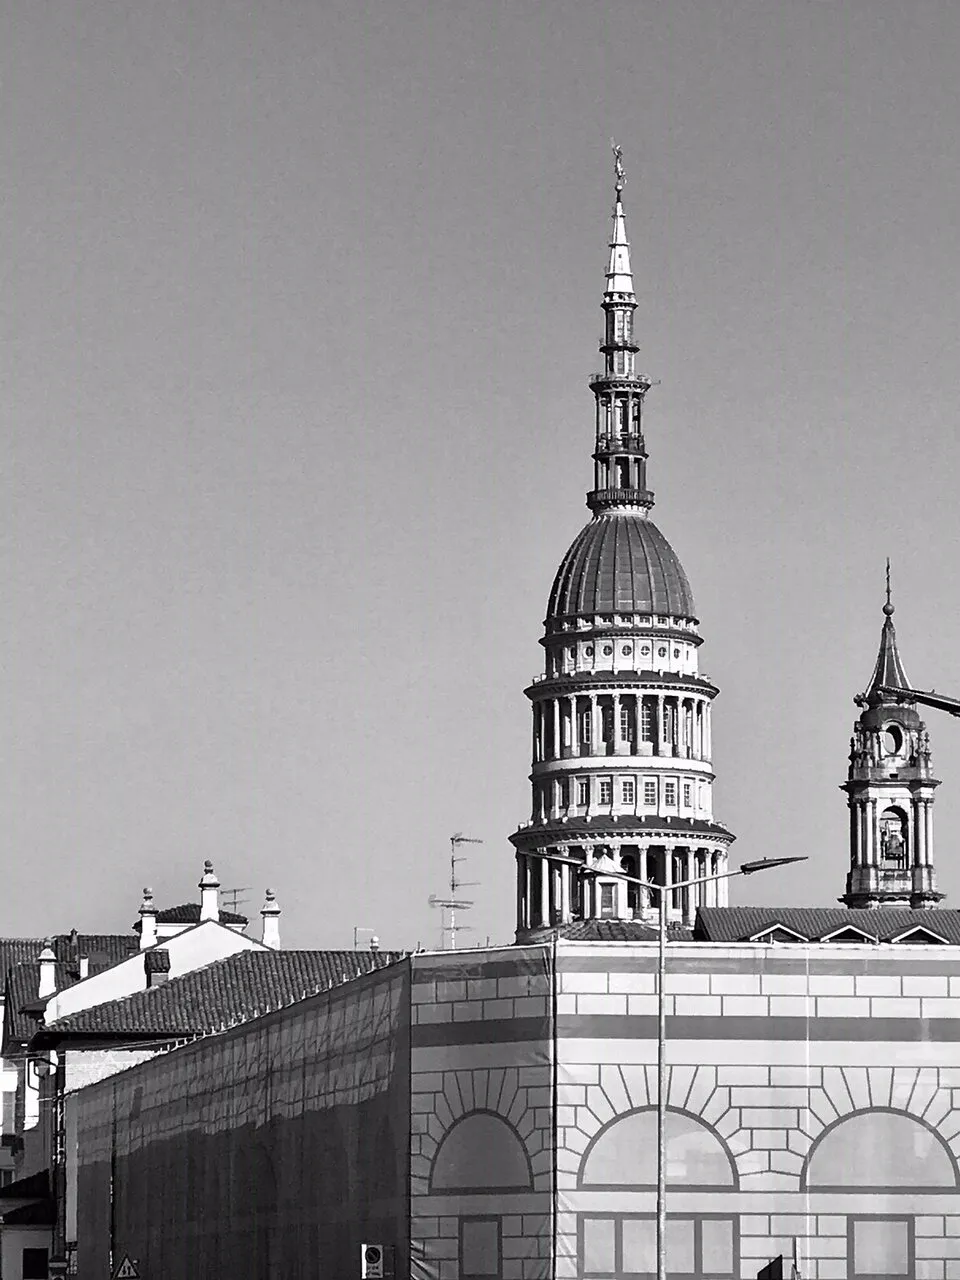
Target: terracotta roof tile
{"type": "Point", "coordinates": [219, 995]}
{"type": "Point", "coordinates": [741, 924]}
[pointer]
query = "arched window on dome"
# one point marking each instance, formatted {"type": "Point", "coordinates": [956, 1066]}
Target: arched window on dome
{"type": "Point", "coordinates": [481, 1153]}
{"type": "Point", "coordinates": [624, 1154]}
{"type": "Point", "coordinates": [880, 1150]}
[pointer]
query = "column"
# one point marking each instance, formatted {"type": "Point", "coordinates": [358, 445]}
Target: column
{"type": "Point", "coordinates": [565, 870]}
{"type": "Point", "coordinates": [520, 901]}
{"type": "Point", "coordinates": [574, 727]}
{"type": "Point", "coordinates": [668, 875]}
{"type": "Point", "coordinates": [544, 890]}
{"type": "Point", "coordinates": [528, 890]}
{"type": "Point", "coordinates": [854, 835]}
{"type": "Point", "coordinates": [616, 719]}
{"type": "Point", "coordinates": [557, 751]}
{"type": "Point", "coordinates": [660, 700]}
{"type": "Point", "coordinates": [708, 731]}
{"type": "Point", "coordinates": [869, 847]}
{"type": "Point", "coordinates": [928, 831]}
{"type": "Point", "coordinates": [596, 725]}
{"type": "Point", "coordinates": [535, 745]}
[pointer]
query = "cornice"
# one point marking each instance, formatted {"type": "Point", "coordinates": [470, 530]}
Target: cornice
{"type": "Point", "coordinates": [603, 829]}
{"type": "Point", "coordinates": [591, 682]}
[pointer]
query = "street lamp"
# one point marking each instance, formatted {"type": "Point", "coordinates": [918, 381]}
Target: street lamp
{"type": "Point", "coordinates": [745, 869]}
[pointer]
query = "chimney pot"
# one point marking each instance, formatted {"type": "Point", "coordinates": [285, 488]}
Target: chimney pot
{"type": "Point", "coordinates": [156, 966]}
{"type": "Point", "coordinates": [270, 915]}
{"type": "Point", "coordinates": [48, 971]}
{"type": "Point", "coordinates": [209, 898]}
{"type": "Point", "coordinates": [148, 921]}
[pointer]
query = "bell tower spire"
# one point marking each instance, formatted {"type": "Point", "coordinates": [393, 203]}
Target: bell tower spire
{"type": "Point", "coordinates": [890, 786]}
{"type": "Point", "coordinates": [620, 456]}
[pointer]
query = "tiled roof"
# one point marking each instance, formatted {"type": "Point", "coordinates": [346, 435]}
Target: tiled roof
{"type": "Point", "coordinates": [189, 913]}
{"type": "Point", "coordinates": [741, 924]}
{"type": "Point", "coordinates": [219, 995]}
{"type": "Point", "coordinates": [18, 951]}
{"type": "Point", "coordinates": [607, 931]}
{"type": "Point", "coordinates": [22, 980]}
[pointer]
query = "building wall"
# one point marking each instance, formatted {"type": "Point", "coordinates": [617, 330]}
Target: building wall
{"type": "Point", "coordinates": [276, 1148]}
{"type": "Point", "coordinates": [814, 1096]}
{"type": "Point", "coordinates": [481, 1159]}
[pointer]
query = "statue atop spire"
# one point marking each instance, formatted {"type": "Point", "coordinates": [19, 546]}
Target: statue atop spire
{"type": "Point", "coordinates": [618, 165]}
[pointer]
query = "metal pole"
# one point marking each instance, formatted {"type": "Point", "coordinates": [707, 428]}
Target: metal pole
{"type": "Point", "coordinates": [662, 1091]}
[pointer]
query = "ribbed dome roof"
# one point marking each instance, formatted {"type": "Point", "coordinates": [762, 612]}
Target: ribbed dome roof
{"type": "Point", "coordinates": [620, 563]}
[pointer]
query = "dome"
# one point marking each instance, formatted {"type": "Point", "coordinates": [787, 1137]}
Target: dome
{"type": "Point", "coordinates": [620, 563]}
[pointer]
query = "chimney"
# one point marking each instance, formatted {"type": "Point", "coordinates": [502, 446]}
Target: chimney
{"type": "Point", "coordinates": [156, 966]}
{"type": "Point", "coordinates": [209, 884]}
{"type": "Point", "coordinates": [270, 915]}
{"type": "Point", "coordinates": [83, 967]}
{"type": "Point", "coordinates": [148, 921]}
{"type": "Point", "coordinates": [48, 971]}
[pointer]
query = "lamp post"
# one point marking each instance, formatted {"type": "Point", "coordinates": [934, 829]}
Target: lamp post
{"type": "Point", "coordinates": [745, 869]}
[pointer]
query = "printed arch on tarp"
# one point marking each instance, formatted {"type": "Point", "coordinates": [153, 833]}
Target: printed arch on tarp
{"type": "Point", "coordinates": [481, 1152]}
{"type": "Point", "coordinates": [623, 1154]}
{"type": "Point", "coordinates": [880, 1149]}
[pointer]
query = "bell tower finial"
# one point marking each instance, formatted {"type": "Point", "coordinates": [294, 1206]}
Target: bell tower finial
{"type": "Point", "coordinates": [888, 607]}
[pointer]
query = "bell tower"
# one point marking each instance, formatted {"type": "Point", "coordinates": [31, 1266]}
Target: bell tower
{"type": "Point", "coordinates": [890, 790]}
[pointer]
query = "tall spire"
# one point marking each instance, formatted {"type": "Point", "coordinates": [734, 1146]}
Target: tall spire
{"type": "Point", "coordinates": [888, 673]}
{"type": "Point", "coordinates": [619, 274]}
{"type": "Point", "coordinates": [620, 456]}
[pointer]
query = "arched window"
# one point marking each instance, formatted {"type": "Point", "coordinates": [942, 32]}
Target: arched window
{"type": "Point", "coordinates": [481, 1152]}
{"type": "Point", "coordinates": [624, 1154]}
{"type": "Point", "coordinates": [880, 1150]}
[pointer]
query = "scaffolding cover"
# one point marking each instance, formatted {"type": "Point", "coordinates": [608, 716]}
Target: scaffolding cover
{"type": "Point", "coordinates": [275, 1149]}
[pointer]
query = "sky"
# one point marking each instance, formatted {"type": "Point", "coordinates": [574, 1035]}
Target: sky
{"type": "Point", "coordinates": [299, 311]}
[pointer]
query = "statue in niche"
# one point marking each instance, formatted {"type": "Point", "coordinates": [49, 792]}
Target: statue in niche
{"type": "Point", "coordinates": [892, 845]}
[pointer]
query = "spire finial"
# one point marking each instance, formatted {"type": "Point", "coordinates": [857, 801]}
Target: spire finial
{"type": "Point", "coordinates": [617, 165]}
{"type": "Point", "coordinates": [888, 607]}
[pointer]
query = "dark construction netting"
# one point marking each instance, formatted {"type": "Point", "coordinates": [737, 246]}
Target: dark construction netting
{"type": "Point", "coordinates": [273, 1150]}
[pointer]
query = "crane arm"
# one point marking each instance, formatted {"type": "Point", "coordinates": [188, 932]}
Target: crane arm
{"type": "Point", "coordinates": [927, 699]}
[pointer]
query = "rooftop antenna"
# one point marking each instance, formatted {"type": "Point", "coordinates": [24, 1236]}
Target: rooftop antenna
{"type": "Point", "coordinates": [233, 898]}
{"type": "Point", "coordinates": [373, 940]}
{"type": "Point", "coordinates": [453, 904]}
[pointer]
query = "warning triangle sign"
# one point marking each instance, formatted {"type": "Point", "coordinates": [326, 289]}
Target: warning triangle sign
{"type": "Point", "coordinates": [127, 1269]}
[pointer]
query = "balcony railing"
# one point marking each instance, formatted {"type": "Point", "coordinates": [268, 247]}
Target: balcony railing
{"type": "Point", "coordinates": [626, 497]}
{"type": "Point", "coordinates": [620, 443]}
{"type": "Point", "coordinates": [612, 376]}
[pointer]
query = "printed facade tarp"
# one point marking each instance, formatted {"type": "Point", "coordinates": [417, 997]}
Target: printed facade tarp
{"type": "Point", "coordinates": [482, 1117]}
{"type": "Point", "coordinates": [275, 1149]}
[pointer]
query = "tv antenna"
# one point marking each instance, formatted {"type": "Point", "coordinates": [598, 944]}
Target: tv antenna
{"type": "Point", "coordinates": [233, 898]}
{"type": "Point", "coordinates": [455, 903]}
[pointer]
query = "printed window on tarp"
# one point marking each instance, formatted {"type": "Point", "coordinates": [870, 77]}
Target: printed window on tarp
{"type": "Point", "coordinates": [880, 1150]}
{"type": "Point", "coordinates": [481, 1153]}
{"type": "Point", "coordinates": [481, 1248]}
{"type": "Point", "coordinates": [624, 1154]}
{"type": "Point", "coordinates": [619, 1245]}
{"type": "Point", "coordinates": [698, 1247]}
{"type": "Point", "coordinates": [880, 1248]}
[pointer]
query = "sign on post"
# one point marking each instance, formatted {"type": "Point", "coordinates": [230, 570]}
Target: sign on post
{"type": "Point", "coordinates": [371, 1262]}
{"type": "Point", "coordinates": [127, 1269]}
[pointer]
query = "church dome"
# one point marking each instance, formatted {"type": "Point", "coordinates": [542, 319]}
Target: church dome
{"type": "Point", "coordinates": [620, 563]}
